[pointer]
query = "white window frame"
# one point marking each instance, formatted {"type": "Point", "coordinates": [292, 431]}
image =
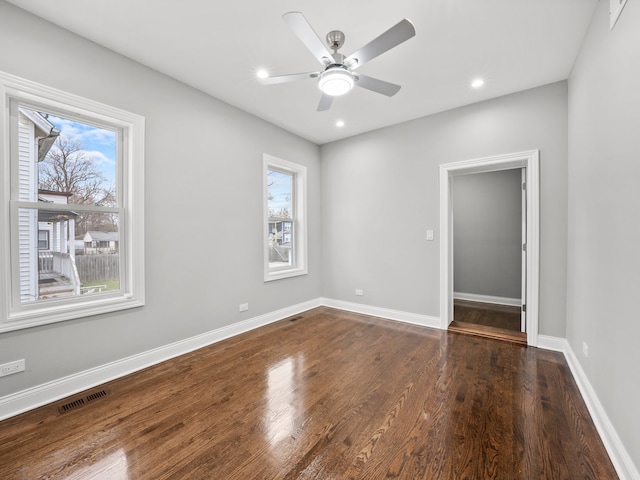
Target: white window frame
{"type": "Point", "coordinates": [15, 315]}
{"type": "Point", "coordinates": [299, 219]}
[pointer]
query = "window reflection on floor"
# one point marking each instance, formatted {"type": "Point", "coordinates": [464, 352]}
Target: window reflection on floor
{"type": "Point", "coordinates": [114, 467]}
{"type": "Point", "coordinates": [284, 400]}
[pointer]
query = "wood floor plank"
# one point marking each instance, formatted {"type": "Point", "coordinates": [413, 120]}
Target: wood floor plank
{"type": "Point", "coordinates": [331, 395]}
{"type": "Point", "coordinates": [506, 317]}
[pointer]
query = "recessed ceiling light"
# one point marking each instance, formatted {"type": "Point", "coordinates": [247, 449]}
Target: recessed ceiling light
{"type": "Point", "coordinates": [340, 123]}
{"type": "Point", "coordinates": [262, 73]}
{"type": "Point", "coordinates": [477, 83]}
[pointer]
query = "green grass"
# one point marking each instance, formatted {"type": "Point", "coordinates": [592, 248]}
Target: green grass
{"type": "Point", "coordinates": [111, 284]}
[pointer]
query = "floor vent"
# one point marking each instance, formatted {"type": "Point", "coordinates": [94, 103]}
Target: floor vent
{"type": "Point", "coordinates": [71, 405]}
{"type": "Point", "coordinates": [96, 395]}
{"type": "Point", "coordinates": [82, 401]}
{"type": "Point", "coordinates": [293, 319]}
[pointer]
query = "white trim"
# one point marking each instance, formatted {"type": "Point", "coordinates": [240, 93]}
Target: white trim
{"type": "Point", "coordinates": [299, 219]}
{"type": "Point", "coordinates": [547, 342]}
{"type": "Point", "coordinates": [13, 314]}
{"type": "Point", "coordinates": [528, 160]}
{"type": "Point", "coordinates": [476, 297]}
{"type": "Point", "coordinates": [406, 317]}
{"type": "Point", "coordinates": [19, 402]}
{"type": "Point", "coordinates": [618, 454]}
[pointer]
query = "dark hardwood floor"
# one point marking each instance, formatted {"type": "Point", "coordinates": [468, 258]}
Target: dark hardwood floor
{"type": "Point", "coordinates": [499, 322]}
{"type": "Point", "coordinates": [488, 314]}
{"type": "Point", "coordinates": [331, 395]}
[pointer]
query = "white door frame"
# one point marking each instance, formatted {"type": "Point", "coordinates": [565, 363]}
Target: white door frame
{"type": "Point", "coordinates": [530, 161]}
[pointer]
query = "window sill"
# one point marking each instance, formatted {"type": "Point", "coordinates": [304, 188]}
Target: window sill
{"type": "Point", "coordinates": [277, 275]}
{"type": "Point", "coordinates": [59, 313]}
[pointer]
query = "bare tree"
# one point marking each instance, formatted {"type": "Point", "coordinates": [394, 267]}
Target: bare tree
{"type": "Point", "coordinates": [67, 168]}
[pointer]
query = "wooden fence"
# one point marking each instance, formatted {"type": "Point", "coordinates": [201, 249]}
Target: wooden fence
{"type": "Point", "coordinates": [98, 268]}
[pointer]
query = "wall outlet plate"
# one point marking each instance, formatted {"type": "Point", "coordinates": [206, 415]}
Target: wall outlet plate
{"type": "Point", "coordinates": [12, 367]}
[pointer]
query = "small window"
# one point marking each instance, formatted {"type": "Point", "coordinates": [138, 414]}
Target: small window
{"type": "Point", "coordinates": [76, 177]}
{"type": "Point", "coordinates": [43, 240]}
{"type": "Point", "coordinates": [285, 228]}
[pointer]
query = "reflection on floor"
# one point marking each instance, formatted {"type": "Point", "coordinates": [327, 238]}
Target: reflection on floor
{"type": "Point", "coordinates": [487, 320]}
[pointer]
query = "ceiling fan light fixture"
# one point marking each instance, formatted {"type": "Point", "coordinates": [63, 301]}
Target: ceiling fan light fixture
{"type": "Point", "coordinates": [336, 81]}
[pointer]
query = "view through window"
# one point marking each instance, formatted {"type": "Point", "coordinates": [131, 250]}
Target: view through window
{"type": "Point", "coordinates": [66, 247]}
{"type": "Point", "coordinates": [74, 209]}
{"type": "Point", "coordinates": [280, 225]}
{"type": "Point", "coordinates": [285, 246]}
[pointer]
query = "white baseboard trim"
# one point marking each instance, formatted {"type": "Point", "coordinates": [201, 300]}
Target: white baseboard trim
{"type": "Point", "coordinates": [407, 317]}
{"type": "Point", "coordinates": [19, 402]}
{"type": "Point", "coordinates": [474, 297]}
{"type": "Point", "coordinates": [555, 344]}
{"type": "Point", "coordinates": [620, 458]}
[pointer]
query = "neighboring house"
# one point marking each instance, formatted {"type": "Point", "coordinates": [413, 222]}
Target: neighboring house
{"type": "Point", "coordinates": [44, 235]}
{"type": "Point", "coordinates": [96, 242]}
{"type": "Point", "coordinates": [280, 229]}
{"type": "Point", "coordinates": [52, 233]}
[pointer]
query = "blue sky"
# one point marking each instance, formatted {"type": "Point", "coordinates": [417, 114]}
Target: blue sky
{"type": "Point", "coordinates": [279, 190]}
{"type": "Point", "coordinates": [99, 143]}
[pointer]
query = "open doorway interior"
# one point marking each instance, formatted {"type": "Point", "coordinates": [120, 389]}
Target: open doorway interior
{"type": "Point", "coordinates": [489, 229]}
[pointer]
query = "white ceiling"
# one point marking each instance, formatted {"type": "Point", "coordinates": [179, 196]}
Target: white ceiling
{"type": "Point", "coordinates": [217, 47]}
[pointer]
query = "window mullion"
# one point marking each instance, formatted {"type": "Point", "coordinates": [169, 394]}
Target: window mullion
{"type": "Point", "coordinates": [65, 207]}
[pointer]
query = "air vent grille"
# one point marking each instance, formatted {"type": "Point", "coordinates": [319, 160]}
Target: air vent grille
{"type": "Point", "coordinates": [82, 401]}
{"type": "Point", "coordinates": [96, 395]}
{"type": "Point", "coordinates": [71, 405]}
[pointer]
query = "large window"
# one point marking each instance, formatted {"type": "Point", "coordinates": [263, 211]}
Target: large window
{"type": "Point", "coordinates": [72, 211]}
{"type": "Point", "coordinates": [285, 231]}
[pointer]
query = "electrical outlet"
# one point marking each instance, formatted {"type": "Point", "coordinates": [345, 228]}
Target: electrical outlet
{"type": "Point", "coordinates": [244, 307]}
{"type": "Point", "coordinates": [585, 349]}
{"type": "Point", "coordinates": [12, 367]}
{"type": "Point", "coordinates": [359, 292]}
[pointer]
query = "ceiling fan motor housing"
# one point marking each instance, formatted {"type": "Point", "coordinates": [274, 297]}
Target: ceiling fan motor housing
{"type": "Point", "coordinates": [335, 39]}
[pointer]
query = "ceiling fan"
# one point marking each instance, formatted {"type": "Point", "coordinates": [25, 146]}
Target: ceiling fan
{"type": "Point", "coordinates": [338, 76]}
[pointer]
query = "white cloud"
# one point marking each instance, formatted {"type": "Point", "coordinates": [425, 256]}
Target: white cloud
{"type": "Point", "coordinates": [88, 135]}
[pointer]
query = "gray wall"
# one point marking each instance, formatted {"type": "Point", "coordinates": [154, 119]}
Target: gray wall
{"type": "Point", "coordinates": [604, 220]}
{"type": "Point", "coordinates": [381, 193]}
{"type": "Point", "coordinates": [487, 233]}
{"type": "Point", "coordinates": [203, 170]}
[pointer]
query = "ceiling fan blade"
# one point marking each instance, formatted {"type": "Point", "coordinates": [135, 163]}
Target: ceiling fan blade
{"type": "Point", "coordinates": [378, 86]}
{"type": "Point", "coordinates": [400, 32]}
{"type": "Point", "coordinates": [325, 102]}
{"type": "Point", "coordinates": [301, 27]}
{"type": "Point", "coordinates": [288, 78]}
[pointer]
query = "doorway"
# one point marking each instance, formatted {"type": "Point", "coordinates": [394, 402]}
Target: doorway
{"type": "Point", "coordinates": [489, 232]}
{"type": "Point", "coordinates": [528, 161]}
